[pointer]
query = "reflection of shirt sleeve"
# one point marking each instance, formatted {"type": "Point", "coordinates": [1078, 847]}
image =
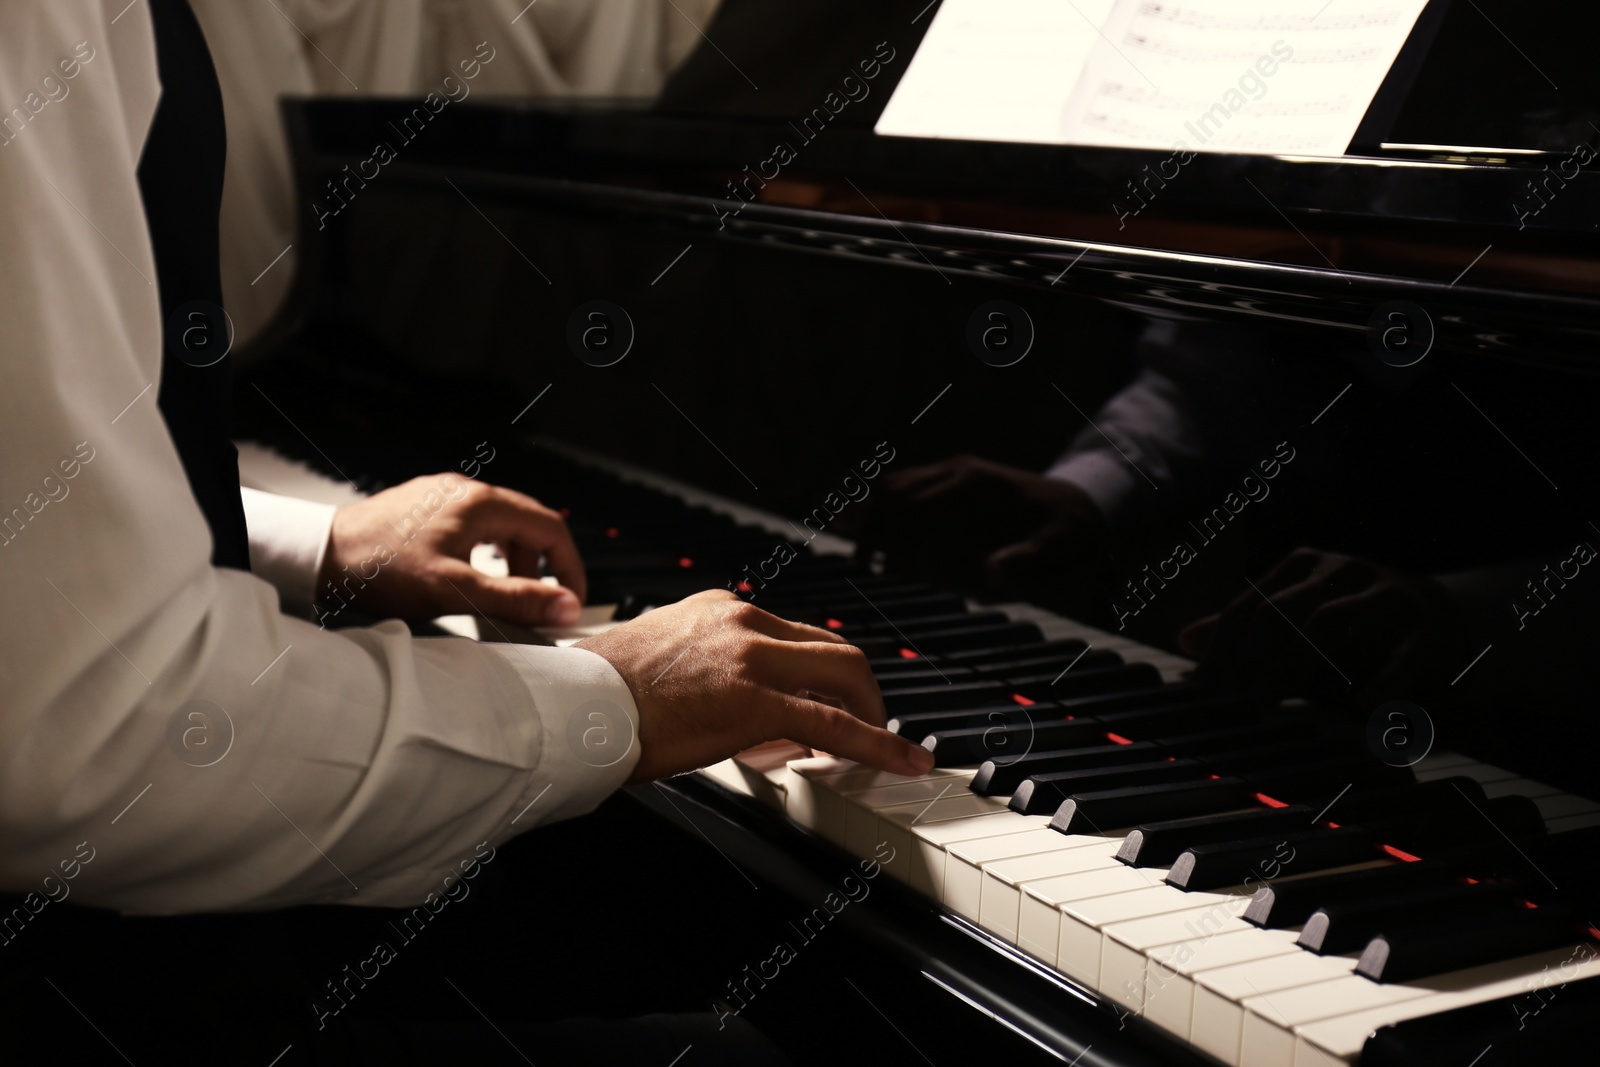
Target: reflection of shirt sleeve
{"type": "Point", "coordinates": [1143, 441]}
{"type": "Point", "coordinates": [214, 753]}
{"type": "Point", "coordinates": [288, 540]}
{"type": "Point", "coordinates": [1205, 399]}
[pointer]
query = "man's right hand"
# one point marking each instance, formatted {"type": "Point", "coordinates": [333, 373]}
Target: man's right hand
{"type": "Point", "coordinates": [987, 528]}
{"type": "Point", "coordinates": [713, 675]}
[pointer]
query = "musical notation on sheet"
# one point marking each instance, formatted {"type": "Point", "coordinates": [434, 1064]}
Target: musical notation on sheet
{"type": "Point", "coordinates": [1265, 76]}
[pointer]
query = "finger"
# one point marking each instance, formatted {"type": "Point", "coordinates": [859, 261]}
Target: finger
{"type": "Point", "coordinates": [781, 629]}
{"type": "Point", "coordinates": [1234, 620]}
{"type": "Point", "coordinates": [524, 601]}
{"type": "Point", "coordinates": [1256, 649]}
{"type": "Point", "coordinates": [809, 723]}
{"type": "Point", "coordinates": [836, 671]}
{"type": "Point", "coordinates": [1195, 639]}
{"type": "Point", "coordinates": [528, 532]}
{"type": "Point", "coordinates": [1009, 568]}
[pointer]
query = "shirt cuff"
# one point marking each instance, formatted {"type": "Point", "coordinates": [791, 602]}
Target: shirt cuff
{"type": "Point", "coordinates": [288, 542]}
{"type": "Point", "coordinates": [1106, 479]}
{"type": "Point", "coordinates": [590, 728]}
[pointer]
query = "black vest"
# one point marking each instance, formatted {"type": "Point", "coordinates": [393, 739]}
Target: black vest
{"type": "Point", "coordinates": [180, 178]}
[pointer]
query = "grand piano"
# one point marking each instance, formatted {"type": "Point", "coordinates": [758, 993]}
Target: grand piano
{"type": "Point", "coordinates": [688, 321]}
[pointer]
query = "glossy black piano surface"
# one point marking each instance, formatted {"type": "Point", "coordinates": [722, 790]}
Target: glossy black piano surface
{"type": "Point", "coordinates": [768, 346]}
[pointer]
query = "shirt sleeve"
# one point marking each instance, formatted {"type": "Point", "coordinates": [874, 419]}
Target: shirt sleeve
{"type": "Point", "coordinates": [213, 752]}
{"type": "Point", "coordinates": [288, 542]}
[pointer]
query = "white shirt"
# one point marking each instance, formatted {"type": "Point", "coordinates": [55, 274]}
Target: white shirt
{"type": "Point", "coordinates": [363, 764]}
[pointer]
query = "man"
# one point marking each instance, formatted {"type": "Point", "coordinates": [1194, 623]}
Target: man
{"type": "Point", "coordinates": [358, 764]}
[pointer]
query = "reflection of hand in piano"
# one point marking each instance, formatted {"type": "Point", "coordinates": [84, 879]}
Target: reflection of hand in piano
{"type": "Point", "coordinates": [1385, 632]}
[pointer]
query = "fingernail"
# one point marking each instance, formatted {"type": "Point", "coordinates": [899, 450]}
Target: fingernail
{"type": "Point", "coordinates": [564, 610]}
{"type": "Point", "coordinates": [920, 760]}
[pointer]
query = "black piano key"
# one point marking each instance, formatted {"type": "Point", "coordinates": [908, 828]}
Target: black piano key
{"type": "Point", "coordinates": [1075, 683]}
{"type": "Point", "coordinates": [1000, 778]}
{"type": "Point", "coordinates": [1272, 731]}
{"type": "Point", "coordinates": [912, 627]}
{"type": "Point", "coordinates": [915, 606]}
{"type": "Point", "coordinates": [1157, 844]}
{"type": "Point", "coordinates": [1044, 727]}
{"type": "Point", "coordinates": [1411, 952]}
{"type": "Point", "coordinates": [944, 696]}
{"type": "Point", "coordinates": [925, 674]}
{"type": "Point", "coordinates": [1415, 798]}
{"type": "Point", "coordinates": [1319, 848]}
{"type": "Point", "coordinates": [1066, 649]}
{"type": "Point", "coordinates": [1042, 794]}
{"type": "Point", "coordinates": [970, 745]}
{"type": "Point", "coordinates": [1217, 866]}
{"type": "Point", "coordinates": [1027, 662]}
{"type": "Point", "coordinates": [947, 641]}
{"type": "Point", "coordinates": [1551, 1022]}
{"type": "Point", "coordinates": [1113, 809]}
{"type": "Point", "coordinates": [1338, 928]}
{"type": "Point", "coordinates": [1291, 901]}
{"type": "Point", "coordinates": [992, 719]}
{"type": "Point", "coordinates": [1320, 782]}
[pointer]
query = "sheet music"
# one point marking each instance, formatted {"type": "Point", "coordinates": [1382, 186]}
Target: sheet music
{"type": "Point", "coordinates": [995, 70]}
{"type": "Point", "coordinates": [1264, 76]}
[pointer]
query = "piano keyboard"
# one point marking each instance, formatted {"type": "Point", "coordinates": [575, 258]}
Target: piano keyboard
{"type": "Point", "coordinates": [1175, 853]}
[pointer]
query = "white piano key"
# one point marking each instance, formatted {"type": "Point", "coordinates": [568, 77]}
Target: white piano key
{"type": "Point", "coordinates": [1126, 946]}
{"type": "Point", "coordinates": [963, 873]}
{"type": "Point", "coordinates": [919, 832]}
{"type": "Point", "coordinates": [1339, 1039]}
{"type": "Point", "coordinates": [761, 772]}
{"type": "Point", "coordinates": [1170, 970]}
{"type": "Point", "coordinates": [1219, 995]}
{"type": "Point", "coordinates": [862, 806]}
{"type": "Point", "coordinates": [1080, 944]}
{"type": "Point", "coordinates": [1039, 913]}
{"type": "Point", "coordinates": [1484, 773]}
{"type": "Point", "coordinates": [815, 791]}
{"type": "Point", "coordinates": [1564, 823]}
{"type": "Point", "coordinates": [1563, 805]}
{"type": "Point", "coordinates": [1524, 787]}
{"type": "Point", "coordinates": [1000, 897]}
{"type": "Point", "coordinates": [1267, 1039]}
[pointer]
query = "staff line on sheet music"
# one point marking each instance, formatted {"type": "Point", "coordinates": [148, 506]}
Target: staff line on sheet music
{"type": "Point", "coordinates": [1114, 47]}
{"type": "Point", "coordinates": [702, 433]}
{"type": "Point", "coordinates": [503, 237]}
{"type": "Point", "coordinates": [1102, 433]}
{"type": "Point", "coordinates": [899, 231]}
